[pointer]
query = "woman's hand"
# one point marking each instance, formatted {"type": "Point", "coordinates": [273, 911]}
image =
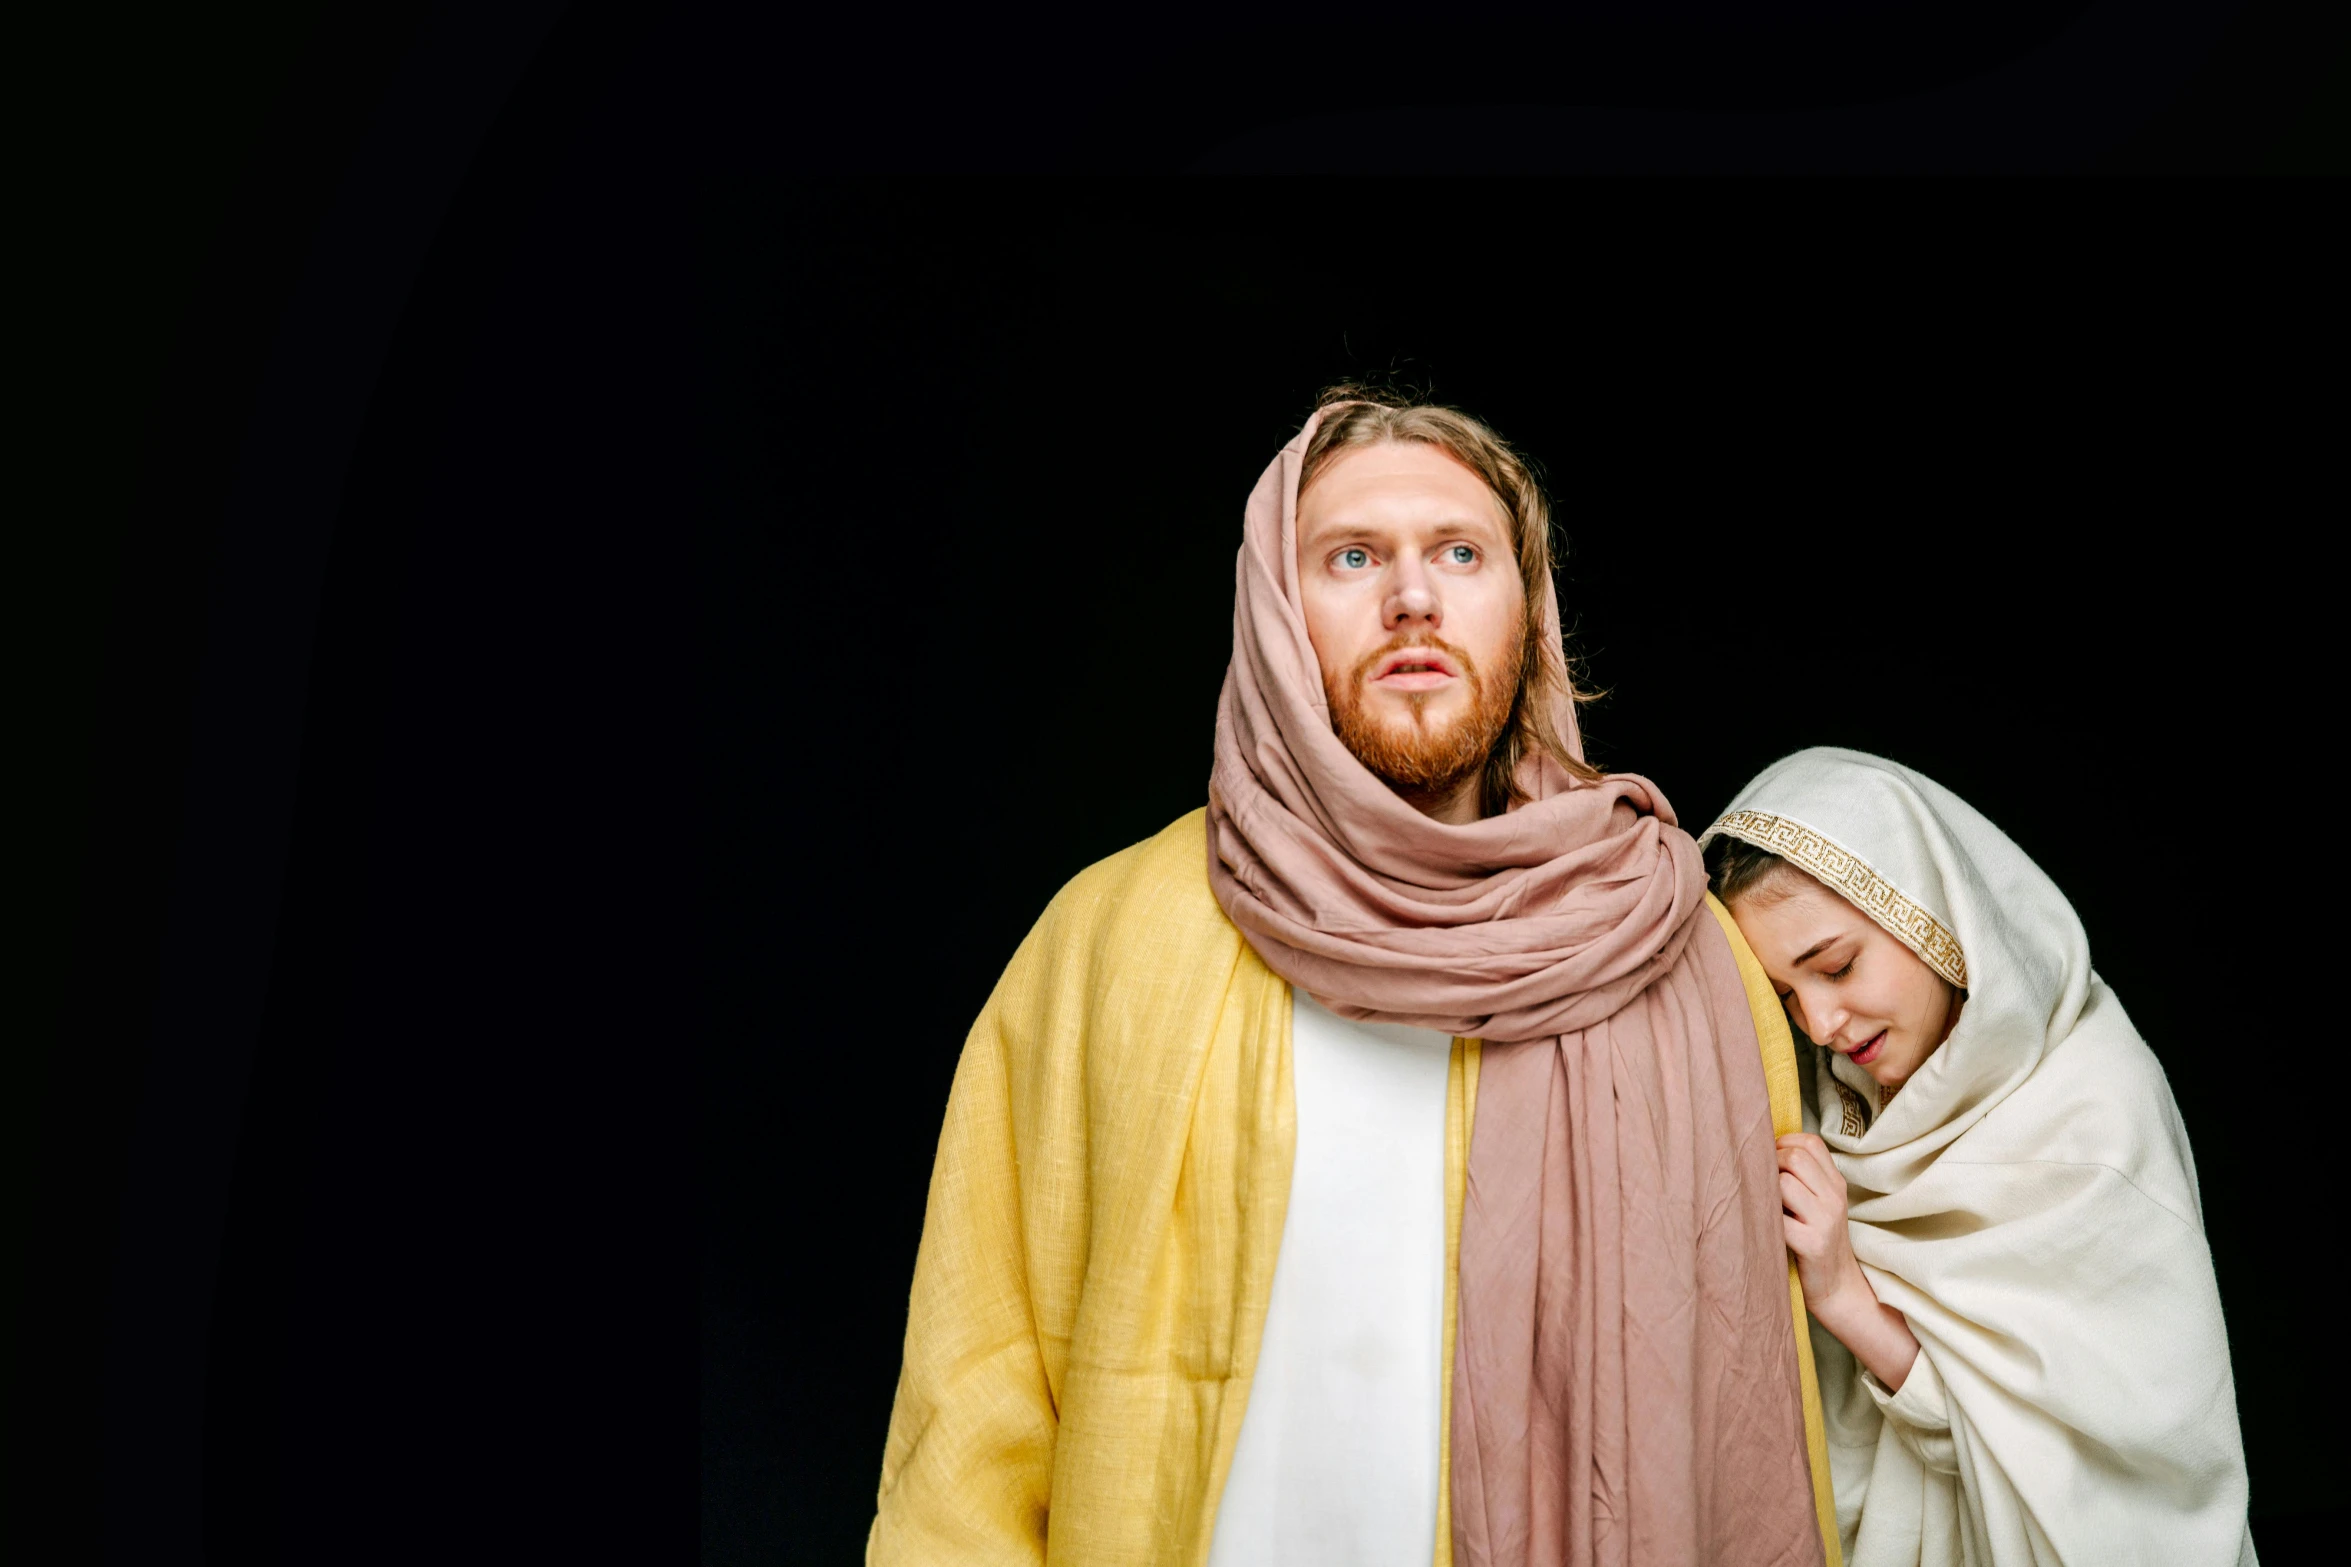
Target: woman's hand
{"type": "Point", "coordinates": [1812, 1210]}
{"type": "Point", "coordinates": [1812, 1207]}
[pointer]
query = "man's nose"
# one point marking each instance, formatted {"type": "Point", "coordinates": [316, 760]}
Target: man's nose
{"type": "Point", "coordinates": [1411, 605]}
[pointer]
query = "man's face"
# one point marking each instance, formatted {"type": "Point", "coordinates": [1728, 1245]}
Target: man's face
{"type": "Point", "coordinates": [1413, 602]}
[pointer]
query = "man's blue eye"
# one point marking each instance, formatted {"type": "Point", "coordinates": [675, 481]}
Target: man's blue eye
{"type": "Point", "coordinates": [1352, 559]}
{"type": "Point", "coordinates": [1463, 555]}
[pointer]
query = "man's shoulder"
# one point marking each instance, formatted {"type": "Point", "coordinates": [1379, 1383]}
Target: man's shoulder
{"type": "Point", "coordinates": [1137, 936]}
{"type": "Point", "coordinates": [1159, 884]}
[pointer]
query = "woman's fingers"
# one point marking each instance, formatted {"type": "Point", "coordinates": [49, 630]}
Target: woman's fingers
{"type": "Point", "coordinates": [1812, 1196]}
{"type": "Point", "coordinates": [1799, 1199]}
{"type": "Point", "coordinates": [1807, 1158]}
{"type": "Point", "coordinates": [1824, 1178]}
{"type": "Point", "coordinates": [1797, 1164]}
{"type": "Point", "coordinates": [1809, 1242]}
{"type": "Point", "coordinates": [1806, 1146]}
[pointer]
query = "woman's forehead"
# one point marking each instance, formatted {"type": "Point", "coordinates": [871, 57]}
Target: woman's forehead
{"type": "Point", "coordinates": [1794, 915]}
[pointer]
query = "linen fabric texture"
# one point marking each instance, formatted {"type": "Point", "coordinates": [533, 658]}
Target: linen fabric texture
{"type": "Point", "coordinates": [1625, 1382]}
{"type": "Point", "coordinates": [1103, 1227]}
{"type": "Point", "coordinates": [2027, 1200]}
{"type": "Point", "coordinates": [1101, 1234]}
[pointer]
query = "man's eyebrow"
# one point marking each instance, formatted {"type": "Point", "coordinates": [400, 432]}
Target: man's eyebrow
{"type": "Point", "coordinates": [1446, 524]}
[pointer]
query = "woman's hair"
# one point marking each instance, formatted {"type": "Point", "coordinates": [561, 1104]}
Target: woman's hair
{"type": "Point", "coordinates": [1737, 869]}
{"type": "Point", "coordinates": [1544, 667]}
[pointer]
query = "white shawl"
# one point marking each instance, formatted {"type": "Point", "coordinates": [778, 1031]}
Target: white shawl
{"type": "Point", "coordinates": [2027, 1200]}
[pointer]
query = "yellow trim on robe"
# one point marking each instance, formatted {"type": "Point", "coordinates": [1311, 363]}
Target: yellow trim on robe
{"type": "Point", "coordinates": [1099, 1241]}
{"type": "Point", "coordinates": [1787, 1115]}
{"type": "Point", "coordinates": [1461, 1105]}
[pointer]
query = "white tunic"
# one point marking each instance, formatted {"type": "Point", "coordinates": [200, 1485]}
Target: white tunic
{"type": "Point", "coordinates": [1337, 1458]}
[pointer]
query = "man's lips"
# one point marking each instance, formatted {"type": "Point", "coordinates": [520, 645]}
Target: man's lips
{"type": "Point", "coordinates": [1871, 1051]}
{"type": "Point", "coordinates": [1414, 669]}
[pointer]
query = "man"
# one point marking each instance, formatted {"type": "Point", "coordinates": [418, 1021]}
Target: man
{"type": "Point", "coordinates": [1375, 1167]}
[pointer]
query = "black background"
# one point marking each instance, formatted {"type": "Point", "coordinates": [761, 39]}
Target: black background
{"type": "Point", "coordinates": [568, 650]}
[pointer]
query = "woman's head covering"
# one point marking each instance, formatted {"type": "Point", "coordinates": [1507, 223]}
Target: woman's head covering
{"type": "Point", "coordinates": [2027, 1201]}
{"type": "Point", "coordinates": [1624, 1360]}
{"type": "Point", "coordinates": [1954, 889]}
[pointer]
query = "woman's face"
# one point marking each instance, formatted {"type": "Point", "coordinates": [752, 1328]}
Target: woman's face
{"type": "Point", "coordinates": [1846, 982]}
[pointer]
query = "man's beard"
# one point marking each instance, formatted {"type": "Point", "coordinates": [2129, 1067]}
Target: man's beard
{"type": "Point", "coordinates": [1425, 765]}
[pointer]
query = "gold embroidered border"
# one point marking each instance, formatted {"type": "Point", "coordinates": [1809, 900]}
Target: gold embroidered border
{"type": "Point", "coordinates": [1855, 1124]}
{"type": "Point", "coordinates": [1839, 867]}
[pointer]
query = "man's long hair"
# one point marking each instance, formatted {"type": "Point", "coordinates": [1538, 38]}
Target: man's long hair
{"type": "Point", "coordinates": [1544, 668]}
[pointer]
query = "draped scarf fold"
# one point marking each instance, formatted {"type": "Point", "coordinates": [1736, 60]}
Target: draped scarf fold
{"type": "Point", "coordinates": [1625, 1387]}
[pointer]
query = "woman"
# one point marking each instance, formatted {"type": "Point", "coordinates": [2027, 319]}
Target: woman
{"type": "Point", "coordinates": [1993, 1207]}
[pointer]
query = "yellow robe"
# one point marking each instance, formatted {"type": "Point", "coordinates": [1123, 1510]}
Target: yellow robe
{"type": "Point", "coordinates": [1098, 1249]}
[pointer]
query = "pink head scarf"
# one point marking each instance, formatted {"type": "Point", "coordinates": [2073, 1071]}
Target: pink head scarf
{"type": "Point", "coordinates": [1625, 1384]}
